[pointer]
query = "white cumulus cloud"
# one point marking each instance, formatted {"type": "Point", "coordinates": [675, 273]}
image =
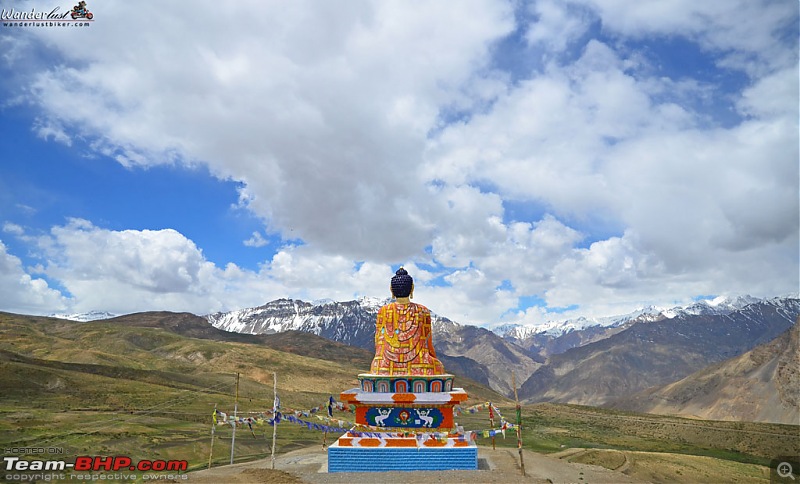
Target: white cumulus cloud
{"type": "Point", "coordinates": [21, 293]}
{"type": "Point", "coordinates": [375, 133]}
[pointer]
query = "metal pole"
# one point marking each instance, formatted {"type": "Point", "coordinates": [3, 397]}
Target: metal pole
{"type": "Point", "coordinates": [235, 408]}
{"type": "Point", "coordinates": [213, 427]}
{"type": "Point", "coordinates": [275, 423]}
{"type": "Point", "coordinates": [519, 424]}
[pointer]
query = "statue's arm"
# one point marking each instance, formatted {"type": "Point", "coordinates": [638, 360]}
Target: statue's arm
{"type": "Point", "coordinates": [429, 331]}
{"type": "Point", "coordinates": [379, 323]}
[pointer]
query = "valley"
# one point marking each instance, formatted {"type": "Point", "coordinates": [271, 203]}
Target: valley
{"type": "Point", "coordinates": [611, 361]}
{"type": "Point", "coordinates": [139, 385]}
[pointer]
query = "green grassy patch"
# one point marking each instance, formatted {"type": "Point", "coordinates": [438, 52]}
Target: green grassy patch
{"type": "Point", "coordinates": [106, 388]}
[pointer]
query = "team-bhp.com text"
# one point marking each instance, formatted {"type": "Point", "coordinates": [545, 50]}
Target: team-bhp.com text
{"type": "Point", "coordinates": [88, 463]}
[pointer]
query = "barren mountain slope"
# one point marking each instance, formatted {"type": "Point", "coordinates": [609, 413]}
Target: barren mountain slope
{"type": "Point", "coordinates": [762, 385]}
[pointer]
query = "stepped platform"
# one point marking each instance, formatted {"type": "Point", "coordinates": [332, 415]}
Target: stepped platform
{"type": "Point", "coordinates": [402, 432]}
{"type": "Point", "coordinates": [381, 459]}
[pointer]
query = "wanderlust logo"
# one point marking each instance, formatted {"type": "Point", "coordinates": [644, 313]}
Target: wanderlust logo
{"type": "Point", "coordinates": [78, 16]}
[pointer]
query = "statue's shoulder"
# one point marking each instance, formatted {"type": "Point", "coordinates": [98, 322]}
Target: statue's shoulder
{"type": "Point", "coordinates": [420, 307]}
{"type": "Point", "coordinates": [386, 309]}
{"type": "Point", "coordinates": [392, 306]}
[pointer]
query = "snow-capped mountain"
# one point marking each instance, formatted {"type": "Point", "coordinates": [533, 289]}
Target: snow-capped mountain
{"type": "Point", "coordinates": [85, 317]}
{"type": "Point", "coordinates": [559, 328]}
{"type": "Point", "coordinates": [483, 355]}
{"type": "Point", "coordinates": [350, 322]}
{"type": "Point", "coordinates": [612, 363]}
{"type": "Point", "coordinates": [347, 322]}
{"type": "Point", "coordinates": [555, 337]}
{"type": "Point", "coordinates": [470, 351]}
{"type": "Point", "coordinates": [717, 306]}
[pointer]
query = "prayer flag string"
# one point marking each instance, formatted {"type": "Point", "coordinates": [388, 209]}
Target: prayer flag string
{"type": "Point", "coordinates": [275, 416]}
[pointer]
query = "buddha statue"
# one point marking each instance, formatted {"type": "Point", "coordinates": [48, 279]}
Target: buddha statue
{"type": "Point", "coordinates": [403, 343]}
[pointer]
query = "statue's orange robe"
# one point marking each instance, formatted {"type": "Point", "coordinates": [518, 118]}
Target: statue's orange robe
{"type": "Point", "coordinates": [403, 343]}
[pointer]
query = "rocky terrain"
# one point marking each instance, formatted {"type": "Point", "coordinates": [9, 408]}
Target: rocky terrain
{"type": "Point", "coordinates": [655, 353]}
{"type": "Point", "coordinates": [476, 353]}
{"type": "Point", "coordinates": [761, 385]}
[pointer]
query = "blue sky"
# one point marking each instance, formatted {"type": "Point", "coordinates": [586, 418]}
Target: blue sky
{"type": "Point", "coordinates": [46, 183]}
{"type": "Point", "coordinates": [526, 161]}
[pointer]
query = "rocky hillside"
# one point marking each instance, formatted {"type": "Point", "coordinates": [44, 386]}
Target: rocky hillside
{"type": "Point", "coordinates": [656, 353]}
{"type": "Point", "coordinates": [476, 353]}
{"type": "Point", "coordinates": [498, 357]}
{"type": "Point", "coordinates": [554, 337]}
{"type": "Point", "coordinates": [346, 322]}
{"type": "Point", "coordinates": [762, 385]}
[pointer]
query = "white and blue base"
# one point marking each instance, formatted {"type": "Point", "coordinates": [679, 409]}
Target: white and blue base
{"type": "Point", "coordinates": [381, 459]}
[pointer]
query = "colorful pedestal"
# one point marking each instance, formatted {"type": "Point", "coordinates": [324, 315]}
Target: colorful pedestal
{"type": "Point", "coordinates": [401, 430]}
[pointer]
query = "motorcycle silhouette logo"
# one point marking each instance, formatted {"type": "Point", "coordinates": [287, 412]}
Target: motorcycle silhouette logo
{"type": "Point", "coordinates": [80, 11]}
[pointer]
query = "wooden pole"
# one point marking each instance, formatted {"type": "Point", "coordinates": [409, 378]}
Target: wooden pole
{"type": "Point", "coordinates": [274, 416]}
{"type": "Point", "coordinates": [519, 424]}
{"type": "Point", "coordinates": [235, 409]}
{"type": "Point", "coordinates": [213, 427]}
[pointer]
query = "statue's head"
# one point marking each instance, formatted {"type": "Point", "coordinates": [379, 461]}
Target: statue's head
{"type": "Point", "coordinates": [402, 283]}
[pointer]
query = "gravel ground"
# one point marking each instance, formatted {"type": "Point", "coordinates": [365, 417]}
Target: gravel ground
{"type": "Point", "coordinates": [494, 466]}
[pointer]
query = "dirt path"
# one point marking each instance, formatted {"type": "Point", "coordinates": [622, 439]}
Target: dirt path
{"type": "Point", "coordinates": [571, 455]}
{"type": "Point", "coordinates": [494, 466]}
